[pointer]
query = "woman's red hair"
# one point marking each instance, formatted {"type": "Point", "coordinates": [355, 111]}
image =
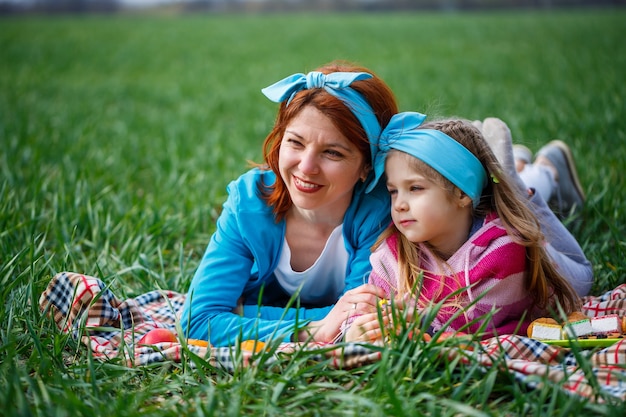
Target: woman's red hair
{"type": "Point", "coordinates": [374, 90]}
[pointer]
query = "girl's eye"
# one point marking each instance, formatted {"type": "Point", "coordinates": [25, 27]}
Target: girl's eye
{"type": "Point", "coordinates": [416, 188]}
{"type": "Point", "coordinates": [392, 191]}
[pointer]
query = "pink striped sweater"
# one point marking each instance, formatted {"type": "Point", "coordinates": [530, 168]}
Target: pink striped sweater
{"type": "Point", "coordinates": [490, 268]}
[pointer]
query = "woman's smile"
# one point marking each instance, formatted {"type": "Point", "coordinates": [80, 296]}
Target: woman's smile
{"type": "Point", "coordinates": [305, 186]}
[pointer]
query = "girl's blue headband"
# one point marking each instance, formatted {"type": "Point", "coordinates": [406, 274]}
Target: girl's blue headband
{"type": "Point", "coordinates": [435, 148]}
{"type": "Point", "coordinates": [336, 84]}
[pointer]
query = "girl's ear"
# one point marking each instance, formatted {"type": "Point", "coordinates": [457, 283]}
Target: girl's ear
{"type": "Point", "coordinates": [463, 199]}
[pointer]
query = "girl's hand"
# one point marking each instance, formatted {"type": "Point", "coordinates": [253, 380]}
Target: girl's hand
{"type": "Point", "coordinates": [366, 328]}
{"type": "Point", "coordinates": [370, 328]}
{"type": "Point", "coordinates": [358, 301]}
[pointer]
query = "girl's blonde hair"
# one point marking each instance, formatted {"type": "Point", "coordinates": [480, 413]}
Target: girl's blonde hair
{"type": "Point", "coordinates": [543, 282]}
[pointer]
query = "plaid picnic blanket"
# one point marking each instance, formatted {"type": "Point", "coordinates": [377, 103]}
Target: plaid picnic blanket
{"type": "Point", "coordinates": [86, 308]}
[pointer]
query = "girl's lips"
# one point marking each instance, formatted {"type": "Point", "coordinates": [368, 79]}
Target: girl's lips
{"type": "Point", "coordinates": [405, 223]}
{"type": "Point", "coordinates": [304, 186]}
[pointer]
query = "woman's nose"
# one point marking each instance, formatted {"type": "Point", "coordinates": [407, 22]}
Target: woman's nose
{"type": "Point", "coordinates": [309, 163]}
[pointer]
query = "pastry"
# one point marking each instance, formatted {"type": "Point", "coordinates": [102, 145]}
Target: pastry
{"type": "Point", "coordinates": [545, 328]}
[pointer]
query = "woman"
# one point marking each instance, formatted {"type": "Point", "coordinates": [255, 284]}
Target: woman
{"type": "Point", "coordinates": [292, 243]}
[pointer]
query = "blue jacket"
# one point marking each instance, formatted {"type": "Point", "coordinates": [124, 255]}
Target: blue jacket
{"type": "Point", "coordinates": [243, 253]}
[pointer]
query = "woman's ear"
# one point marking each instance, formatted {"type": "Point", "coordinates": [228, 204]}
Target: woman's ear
{"type": "Point", "coordinates": [365, 172]}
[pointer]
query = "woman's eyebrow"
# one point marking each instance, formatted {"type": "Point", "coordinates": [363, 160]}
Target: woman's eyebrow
{"type": "Point", "coordinates": [330, 145]}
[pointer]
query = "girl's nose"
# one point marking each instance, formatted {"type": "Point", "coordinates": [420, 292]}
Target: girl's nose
{"type": "Point", "coordinates": [399, 203]}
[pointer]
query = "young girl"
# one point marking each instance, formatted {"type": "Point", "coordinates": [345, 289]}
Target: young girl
{"type": "Point", "coordinates": [462, 235]}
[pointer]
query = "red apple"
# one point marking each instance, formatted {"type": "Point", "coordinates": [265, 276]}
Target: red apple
{"type": "Point", "coordinates": [155, 336]}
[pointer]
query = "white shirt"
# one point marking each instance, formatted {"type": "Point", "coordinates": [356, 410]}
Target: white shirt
{"type": "Point", "coordinates": [324, 281]}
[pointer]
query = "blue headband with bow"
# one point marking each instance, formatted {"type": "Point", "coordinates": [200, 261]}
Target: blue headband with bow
{"type": "Point", "coordinates": [336, 84]}
{"type": "Point", "coordinates": [435, 148]}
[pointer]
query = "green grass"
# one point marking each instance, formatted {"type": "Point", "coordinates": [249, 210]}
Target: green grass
{"type": "Point", "coordinates": [119, 134]}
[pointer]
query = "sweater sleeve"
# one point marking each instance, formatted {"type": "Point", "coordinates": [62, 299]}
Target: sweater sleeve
{"type": "Point", "coordinates": [384, 269]}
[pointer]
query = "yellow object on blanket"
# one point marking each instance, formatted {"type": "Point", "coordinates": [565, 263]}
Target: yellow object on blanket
{"type": "Point", "coordinates": [255, 346]}
{"type": "Point", "coordinates": [197, 342]}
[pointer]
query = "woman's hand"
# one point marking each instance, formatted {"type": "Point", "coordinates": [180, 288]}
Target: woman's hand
{"type": "Point", "coordinates": [358, 301]}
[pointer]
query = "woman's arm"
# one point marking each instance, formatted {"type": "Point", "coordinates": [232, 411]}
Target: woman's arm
{"type": "Point", "coordinates": [219, 282]}
{"type": "Point", "coordinates": [238, 260]}
{"type": "Point", "coordinates": [245, 239]}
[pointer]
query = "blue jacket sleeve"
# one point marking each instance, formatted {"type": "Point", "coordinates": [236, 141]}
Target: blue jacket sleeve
{"type": "Point", "coordinates": [226, 271]}
{"type": "Point", "coordinates": [367, 217]}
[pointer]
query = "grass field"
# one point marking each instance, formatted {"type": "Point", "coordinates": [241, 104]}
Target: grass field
{"type": "Point", "coordinates": [118, 136]}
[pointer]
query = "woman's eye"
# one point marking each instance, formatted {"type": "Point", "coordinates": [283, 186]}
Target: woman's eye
{"type": "Point", "coordinates": [334, 154]}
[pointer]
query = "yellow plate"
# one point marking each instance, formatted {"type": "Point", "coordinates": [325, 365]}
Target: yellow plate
{"type": "Point", "coordinates": [583, 343]}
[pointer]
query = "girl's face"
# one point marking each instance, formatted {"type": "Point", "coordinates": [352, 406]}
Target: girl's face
{"type": "Point", "coordinates": [319, 165]}
{"type": "Point", "coordinates": [423, 210]}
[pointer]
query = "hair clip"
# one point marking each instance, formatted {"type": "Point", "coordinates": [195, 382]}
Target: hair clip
{"type": "Point", "coordinates": [494, 179]}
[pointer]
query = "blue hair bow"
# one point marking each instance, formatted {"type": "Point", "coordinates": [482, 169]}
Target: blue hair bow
{"type": "Point", "coordinates": [336, 84]}
{"type": "Point", "coordinates": [435, 148]}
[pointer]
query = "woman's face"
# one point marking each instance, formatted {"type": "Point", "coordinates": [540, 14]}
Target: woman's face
{"type": "Point", "coordinates": [319, 165]}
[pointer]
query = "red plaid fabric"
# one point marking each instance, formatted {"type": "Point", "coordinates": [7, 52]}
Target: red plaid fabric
{"type": "Point", "coordinates": [86, 308]}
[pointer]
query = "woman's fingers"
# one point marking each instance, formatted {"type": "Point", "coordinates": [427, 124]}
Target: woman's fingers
{"type": "Point", "coordinates": [362, 299]}
{"type": "Point", "coordinates": [366, 291]}
{"type": "Point", "coordinates": [377, 325]}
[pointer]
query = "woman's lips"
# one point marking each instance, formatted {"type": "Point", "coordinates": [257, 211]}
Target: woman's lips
{"type": "Point", "coordinates": [305, 186]}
